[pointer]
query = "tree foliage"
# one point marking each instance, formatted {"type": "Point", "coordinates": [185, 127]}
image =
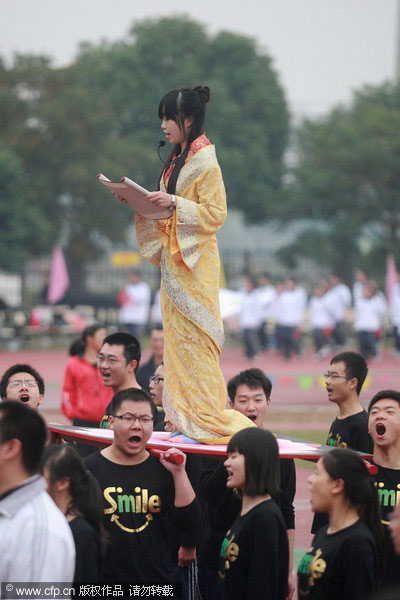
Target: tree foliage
{"type": "Point", "coordinates": [347, 183]}
{"type": "Point", "coordinates": [61, 126]}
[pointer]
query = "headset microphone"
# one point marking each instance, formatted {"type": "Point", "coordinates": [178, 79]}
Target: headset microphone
{"type": "Point", "coordinates": [161, 143]}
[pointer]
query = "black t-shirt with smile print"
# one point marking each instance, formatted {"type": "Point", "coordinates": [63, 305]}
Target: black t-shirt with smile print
{"type": "Point", "coordinates": [339, 566]}
{"type": "Point", "coordinates": [138, 503]}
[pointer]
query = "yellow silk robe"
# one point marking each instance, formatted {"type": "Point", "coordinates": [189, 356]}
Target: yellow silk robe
{"type": "Point", "coordinates": [185, 245]}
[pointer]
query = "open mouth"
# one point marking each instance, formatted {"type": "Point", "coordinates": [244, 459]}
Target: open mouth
{"type": "Point", "coordinates": [24, 398]}
{"type": "Point", "coordinates": [134, 439]}
{"type": "Point", "coordinates": [252, 418]}
{"type": "Point", "coordinates": [380, 429]}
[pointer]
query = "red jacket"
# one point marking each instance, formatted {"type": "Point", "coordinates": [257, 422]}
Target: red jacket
{"type": "Point", "coordinates": [84, 396]}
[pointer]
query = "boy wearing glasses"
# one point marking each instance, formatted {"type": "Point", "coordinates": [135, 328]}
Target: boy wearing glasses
{"type": "Point", "coordinates": [141, 495]}
{"type": "Point", "coordinates": [343, 381]}
{"type": "Point", "coordinates": [22, 383]}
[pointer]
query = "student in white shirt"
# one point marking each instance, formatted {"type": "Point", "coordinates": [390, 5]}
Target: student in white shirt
{"type": "Point", "coordinates": [266, 293]}
{"type": "Point", "coordinates": [360, 279]}
{"type": "Point", "coordinates": [369, 313]}
{"type": "Point", "coordinates": [250, 316]}
{"type": "Point", "coordinates": [36, 542]}
{"type": "Point", "coordinates": [135, 305]}
{"type": "Point", "coordinates": [290, 309]}
{"type": "Point", "coordinates": [320, 318]}
{"type": "Point", "coordinates": [339, 301]}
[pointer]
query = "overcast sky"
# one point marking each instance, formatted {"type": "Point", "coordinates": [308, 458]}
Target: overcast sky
{"type": "Point", "coordinates": [322, 49]}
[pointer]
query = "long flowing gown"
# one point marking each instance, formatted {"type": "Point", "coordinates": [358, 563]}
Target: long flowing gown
{"type": "Point", "coordinates": [185, 246]}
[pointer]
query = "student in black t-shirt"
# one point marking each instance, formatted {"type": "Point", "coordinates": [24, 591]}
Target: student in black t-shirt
{"type": "Point", "coordinates": [254, 556]}
{"type": "Point", "coordinates": [384, 427]}
{"type": "Point", "coordinates": [141, 495]}
{"type": "Point", "coordinates": [78, 496]}
{"type": "Point", "coordinates": [249, 393]}
{"type": "Point", "coordinates": [344, 380]}
{"type": "Point", "coordinates": [343, 560]}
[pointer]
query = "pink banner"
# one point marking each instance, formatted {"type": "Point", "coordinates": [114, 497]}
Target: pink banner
{"type": "Point", "coordinates": [391, 277]}
{"type": "Point", "coordinates": [59, 280]}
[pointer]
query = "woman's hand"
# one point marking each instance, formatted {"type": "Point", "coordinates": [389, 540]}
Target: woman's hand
{"type": "Point", "coordinates": [160, 199]}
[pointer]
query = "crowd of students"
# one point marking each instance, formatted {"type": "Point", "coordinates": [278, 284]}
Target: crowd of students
{"type": "Point", "coordinates": [328, 313]}
{"type": "Point", "coordinates": [275, 316]}
{"type": "Point", "coordinates": [221, 529]}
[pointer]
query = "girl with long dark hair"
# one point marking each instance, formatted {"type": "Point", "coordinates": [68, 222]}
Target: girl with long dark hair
{"type": "Point", "coordinates": [84, 396]}
{"type": "Point", "coordinates": [342, 561]}
{"type": "Point", "coordinates": [254, 557]}
{"type": "Point", "coordinates": [77, 494]}
{"type": "Point", "coordinates": [185, 246]}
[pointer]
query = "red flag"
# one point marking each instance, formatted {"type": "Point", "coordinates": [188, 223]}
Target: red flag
{"type": "Point", "coordinates": [391, 277]}
{"type": "Point", "coordinates": [59, 280]}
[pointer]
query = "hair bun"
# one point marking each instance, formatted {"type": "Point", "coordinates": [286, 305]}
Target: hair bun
{"type": "Point", "coordinates": [204, 92]}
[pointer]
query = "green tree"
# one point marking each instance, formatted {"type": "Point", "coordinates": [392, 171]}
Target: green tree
{"type": "Point", "coordinates": [25, 224]}
{"type": "Point", "coordinates": [347, 184]}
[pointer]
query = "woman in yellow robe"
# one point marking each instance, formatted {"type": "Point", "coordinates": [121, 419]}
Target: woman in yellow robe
{"type": "Point", "coordinates": [185, 246]}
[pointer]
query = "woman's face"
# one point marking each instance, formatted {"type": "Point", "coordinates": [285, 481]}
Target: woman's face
{"type": "Point", "coordinates": [320, 484]}
{"type": "Point", "coordinates": [235, 465]}
{"type": "Point", "coordinates": [172, 131]}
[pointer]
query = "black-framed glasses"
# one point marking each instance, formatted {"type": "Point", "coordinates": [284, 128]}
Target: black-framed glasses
{"type": "Point", "coordinates": [155, 379]}
{"type": "Point", "coordinates": [335, 376]}
{"type": "Point", "coordinates": [129, 418]}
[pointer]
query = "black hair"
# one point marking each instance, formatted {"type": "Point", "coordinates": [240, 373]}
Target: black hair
{"type": "Point", "coordinates": [134, 395]}
{"type": "Point", "coordinates": [355, 367]}
{"type": "Point", "coordinates": [260, 450]}
{"type": "Point", "coordinates": [63, 461]}
{"type": "Point", "coordinates": [20, 368]}
{"type": "Point", "coordinates": [129, 342]}
{"type": "Point", "coordinates": [21, 422]}
{"type": "Point", "coordinates": [178, 105]}
{"type": "Point", "coordinates": [253, 378]}
{"type": "Point", "coordinates": [359, 489]}
{"type": "Point", "coordinates": [384, 395]}
{"type": "Point", "coordinates": [78, 347]}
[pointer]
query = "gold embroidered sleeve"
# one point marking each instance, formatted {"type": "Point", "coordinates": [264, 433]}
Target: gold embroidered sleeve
{"type": "Point", "coordinates": [148, 239]}
{"type": "Point", "coordinates": [196, 221]}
